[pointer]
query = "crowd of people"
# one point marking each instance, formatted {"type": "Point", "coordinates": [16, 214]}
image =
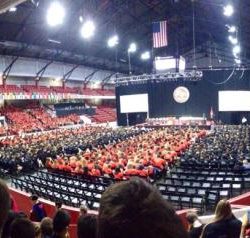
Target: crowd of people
{"type": "Point", "coordinates": [131, 208]}
{"type": "Point", "coordinates": [224, 147]}
{"type": "Point", "coordinates": [144, 154]}
{"type": "Point", "coordinates": [33, 118]}
{"type": "Point", "coordinates": [28, 152]}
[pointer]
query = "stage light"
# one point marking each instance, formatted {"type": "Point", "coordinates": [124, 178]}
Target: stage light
{"type": "Point", "coordinates": [145, 55]}
{"type": "Point", "coordinates": [81, 19]}
{"type": "Point", "coordinates": [233, 40]}
{"type": "Point", "coordinates": [12, 9]}
{"type": "Point", "coordinates": [231, 29]}
{"type": "Point", "coordinates": [88, 29]}
{"type": "Point", "coordinates": [132, 48]}
{"type": "Point", "coordinates": [237, 61]}
{"type": "Point", "coordinates": [228, 10]}
{"type": "Point", "coordinates": [236, 50]}
{"type": "Point", "coordinates": [113, 41]}
{"type": "Point", "coordinates": [55, 14]}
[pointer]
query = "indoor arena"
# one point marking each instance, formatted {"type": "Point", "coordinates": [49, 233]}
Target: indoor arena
{"type": "Point", "coordinates": [124, 119]}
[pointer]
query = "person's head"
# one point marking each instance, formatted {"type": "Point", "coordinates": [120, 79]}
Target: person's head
{"type": "Point", "coordinates": [83, 210]}
{"type": "Point", "coordinates": [136, 209]}
{"type": "Point", "coordinates": [223, 210]}
{"type": "Point", "coordinates": [46, 227]}
{"type": "Point", "coordinates": [37, 230]}
{"type": "Point", "coordinates": [86, 226]}
{"type": "Point", "coordinates": [22, 228]}
{"type": "Point", "coordinates": [58, 205]}
{"type": "Point", "coordinates": [4, 203]}
{"type": "Point", "coordinates": [191, 217]}
{"type": "Point", "coordinates": [10, 218]}
{"type": "Point", "coordinates": [61, 222]}
{"type": "Point", "coordinates": [34, 198]}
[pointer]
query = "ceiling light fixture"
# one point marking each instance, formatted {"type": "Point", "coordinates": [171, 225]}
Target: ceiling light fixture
{"type": "Point", "coordinates": [55, 14]}
{"type": "Point", "coordinates": [145, 55]}
{"type": "Point", "coordinates": [132, 48]}
{"type": "Point", "coordinates": [228, 10]}
{"type": "Point", "coordinates": [113, 41]}
{"type": "Point", "coordinates": [88, 29]}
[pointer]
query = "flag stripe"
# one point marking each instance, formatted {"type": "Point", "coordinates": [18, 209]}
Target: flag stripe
{"type": "Point", "coordinates": [160, 38]}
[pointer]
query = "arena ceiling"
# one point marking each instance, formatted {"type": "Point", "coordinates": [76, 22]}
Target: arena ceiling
{"type": "Point", "coordinates": [26, 33]}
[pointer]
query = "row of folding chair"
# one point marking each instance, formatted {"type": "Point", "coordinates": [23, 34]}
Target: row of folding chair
{"type": "Point", "coordinates": [180, 201]}
{"type": "Point", "coordinates": [69, 179]}
{"type": "Point", "coordinates": [205, 167]}
{"type": "Point", "coordinates": [212, 179]}
{"type": "Point", "coordinates": [208, 173]}
{"type": "Point", "coordinates": [234, 188]}
{"type": "Point", "coordinates": [94, 179]}
{"type": "Point", "coordinates": [79, 188]}
{"type": "Point", "coordinates": [192, 198]}
{"type": "Point", "coordinates": [220, 192]}
{"type": "Point", "coordinates": [56, 192]}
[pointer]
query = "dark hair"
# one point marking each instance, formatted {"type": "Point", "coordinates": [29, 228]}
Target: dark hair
{"type": "Point", "coordinates": [191, 217]}
{"type": "Point", "coordinates": [46, 226]}
{"type": "Point", "coordinates": [4, 202]}
{"type": "Point", "coordinates": [34, 197]}
{"type": "Point", "coordinates": [61, 221]}
{"type": "Point", "coordinates": [10, 218]}
{"type": "Point", "coordinates": [58, 204]}
{"type": "Point", "coordinates": [86, 226]}
{"type": "Point", "coordinates": [22, 228]}
{"type": "Point", "coordinates": [134, 208]}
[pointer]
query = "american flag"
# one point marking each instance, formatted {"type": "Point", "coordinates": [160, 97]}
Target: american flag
{"type": "Point", "coordinates": [160, 37]}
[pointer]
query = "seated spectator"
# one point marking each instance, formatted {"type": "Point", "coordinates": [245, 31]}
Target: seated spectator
{"type": "Point", "coordinates": [22, 228]}
{"type": "Point", "coordinates": [86, 226]}
{"type": "Point", "coordinates": [246, 165]}
{"type": "Point", "coordinates": [194, 225]}
{"type": "Point", "coordinates": [12, 216]}
{"type": "Point", "coordinates": [4, 204]}
{"type": "Point", "coordinates": [38, 212]}
{"type": "Point", "coordinates": [83, 210]}
{"type": "Point", "coordinates": [58, 205]}
{"type": "Point", "coordinates": [224, 225]}
{"type": "Point", "coordinates": [37, 230]}
{"type": "Point", "coordinates": [61, 223]}
{"type": "Point", "coordinates": [136, 209]}
{"type": "Point", "coordinates": [46, 227]}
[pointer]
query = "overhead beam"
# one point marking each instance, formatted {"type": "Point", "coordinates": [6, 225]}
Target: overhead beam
{"type": "Point", "coordinates": [19, 49]}
{"type": "Point", "coordinates": [106, 79]}
{"type": "Point", "coordinates": [5, 5]}
{"type": "Point", "coordinates": [7, 70]}
{"type": "Point", "coordinates": [41, 72]}
{"type": "Point", "coordinates": [69, 73]}
{"type": "Point", "coordinates": [89, 77]}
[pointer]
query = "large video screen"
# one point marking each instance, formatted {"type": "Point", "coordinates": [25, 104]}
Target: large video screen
{"type": "Point", "coordinates": [134, 103]}
{"type": "Point", "coordinates": [234, 101]}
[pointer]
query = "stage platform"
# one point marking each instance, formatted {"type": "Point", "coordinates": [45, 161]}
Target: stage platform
{"type": "Point", "coordinates": [200, 122]}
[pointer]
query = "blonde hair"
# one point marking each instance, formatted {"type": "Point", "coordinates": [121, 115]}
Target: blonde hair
{"type": "Point", "coordinates": [223, 211]}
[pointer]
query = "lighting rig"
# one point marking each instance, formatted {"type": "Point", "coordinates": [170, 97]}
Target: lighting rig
{"type": "Point", "coordinates": [192, 76]}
